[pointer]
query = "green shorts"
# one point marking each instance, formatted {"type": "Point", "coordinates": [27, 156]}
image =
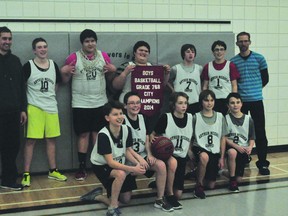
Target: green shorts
{"type": "Point", "coordinates": [41, 124]}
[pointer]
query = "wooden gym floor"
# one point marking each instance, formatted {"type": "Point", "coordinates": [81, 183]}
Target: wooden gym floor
{"type": "Point", "coordinates": [45, 193]}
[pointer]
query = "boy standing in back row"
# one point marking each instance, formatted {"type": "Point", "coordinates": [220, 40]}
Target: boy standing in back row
{"type": "Point", "coordinates": [220, 76]}
{"type": "Point", "coordinates": [185, 77]}
{"type": "Point", "coordinates": [41, 75]}
{"type": "Point", "coordinates": [89, 70]}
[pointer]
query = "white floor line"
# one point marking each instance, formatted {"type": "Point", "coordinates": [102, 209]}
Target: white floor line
{"type": "Point", "coordinates": [280, 169]}
{"type": "Point", "coordinates": [38, 201]}
{"type": "Point", "coordinates": [57, 188]}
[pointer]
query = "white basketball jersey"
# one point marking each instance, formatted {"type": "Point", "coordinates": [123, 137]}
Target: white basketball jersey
{"type": "Point", "coordinates": [138, 136]}
{"type": "Point", "coordinates": [238, 134]}
{"type": "Point", "coordinates": [41, 88]}
{"type": "Point", "coordinates": [189, 82]}
{"type": "Point", "coordinates": [219, 80]}
{"type": "Point", "coordinates": [89, 84]}
{"type": "Point", "coordinates": [180, 137]}
{"type": "Point", "coordinates": [208, 136]}
{"type": "Point", "coordinates": [118, 154]}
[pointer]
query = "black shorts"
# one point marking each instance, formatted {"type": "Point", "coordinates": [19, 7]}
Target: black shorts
{"type": "Point", "coordinates": [102, 172]}
{"type": "Point", "coordinates": [212, 166]}
{"type": "Point", "coordinates": [221, 106]}
{"type": "Point", "coordinates": [180, 173]}
{"type": "Point", "coordinates": [88, 120]}
{"type": "Point", "coordinates": [149, 173]}
{"type": "Point", "coordinates": [241, 160]}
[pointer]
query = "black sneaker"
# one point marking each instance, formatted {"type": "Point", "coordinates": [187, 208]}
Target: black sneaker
{"type": "Point", "coordinates": [264, 170]}
{"type": "Point", "coordinates": [164, 205]}
{"type": "Point", "coordinates": [199, 192]}
{"type": "Point", "coordinates": [233, 187]}
{"type": "Point", "coordinates": [14, 187]}
{"type": "Point", "coordinates": [113, 212]}
{"type": "Point", "coordinates": [172, 200]}
{"type": "Point", "coordinates": [92, 194]}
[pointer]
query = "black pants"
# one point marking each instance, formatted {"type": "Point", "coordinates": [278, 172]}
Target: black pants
{"type": "Point", "coordinates": [9, 146]}
{"type": "Point", "coordinates": [256, 109]}
{"type": "Point", "coordinates": [193, 108]}
{"type": "Point", "coordinates": [221, 106]}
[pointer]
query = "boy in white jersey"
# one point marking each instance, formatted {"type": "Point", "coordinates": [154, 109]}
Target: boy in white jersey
{"type": "Point", "coordinates": [42, 76]}
{"type": "Point", "coordinates": [113, 147]}
{"type": "Point", "coordinates": [89, 69]}
{"type": "Point", "coordinates": [240, 139]}
{"type": "Point", "coordinates": [209, 143]}
{"type": "Point", "coordinates": [142, 147]}
{"type": "Point", "coordinates": [177, 126]}
{"type": "Point", "coordinates": [185, 77]}
{"type": "Point", "coordinates": [220, 76]}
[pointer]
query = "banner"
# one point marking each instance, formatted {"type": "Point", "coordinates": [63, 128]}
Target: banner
{"type": "Point", "coordinates": [147, 81]}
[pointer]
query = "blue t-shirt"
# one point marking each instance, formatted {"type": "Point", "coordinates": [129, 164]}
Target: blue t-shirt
{"type": "Point", "coordinates": [250, 82]}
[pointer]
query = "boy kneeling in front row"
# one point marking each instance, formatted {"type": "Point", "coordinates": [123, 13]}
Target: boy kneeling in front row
{"type": "Point", "coordinates": [240, 139]}
{"type": "Point", "coordinates": [112, 148]}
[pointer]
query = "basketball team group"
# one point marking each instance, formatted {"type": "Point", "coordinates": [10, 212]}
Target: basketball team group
{"type": "Point", "coordinates": [207, 122]}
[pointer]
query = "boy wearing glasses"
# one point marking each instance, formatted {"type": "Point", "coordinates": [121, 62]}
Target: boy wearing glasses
{"type": "Point", "coordinates": [142, 147]}
{"type": "Point", "coordinates": [220, 76]}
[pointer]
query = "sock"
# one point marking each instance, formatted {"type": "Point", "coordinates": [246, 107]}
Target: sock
{"type": "Point", "coordinates": [232, 178]}
{"type": "Point", "coordinates": [82, 160]}
{"type": "Point", "coordinates": [52, 170]}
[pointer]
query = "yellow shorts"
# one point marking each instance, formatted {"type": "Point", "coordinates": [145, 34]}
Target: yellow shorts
{"type": "Point", "coordinates": [41, 124]}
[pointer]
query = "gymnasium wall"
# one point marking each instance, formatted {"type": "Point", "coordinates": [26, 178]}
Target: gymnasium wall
{"type": "Point", "coordinates": [265, 20]}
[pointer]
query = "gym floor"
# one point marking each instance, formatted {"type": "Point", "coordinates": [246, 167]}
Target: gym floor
{"type": "Point", "coordinates": [259, 195]}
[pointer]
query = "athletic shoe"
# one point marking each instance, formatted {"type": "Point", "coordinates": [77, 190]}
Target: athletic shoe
{"type": "Point", "coordinates": [164, 205]}
{"type": "Point", "coordinates": [56, 175]}
{"type": "Point", "coordinates": [233, 187]}
{"type": "Point", "coordinates": [14, 187]}
{"type": "Point", "coordinates": [26, 180]}
{"type": "Point", "coordinates": [152, 184]}
{"type": "Point", "coordinates": [263, 167]}
{"type": "Point", "coordinates": [172, 200]}
{"type": "Point", "coordinates": [90, 196]}
{"type": "Point", "coordinates": [199, 192]}
{"type": "Point", "coordinates": [191, 175]}
{"type": "Point", "coordinates": [81, 175]}
{"type": "Point", "coordinates": [264, 170]}
{"type": "Point", "coordinates": [113, 212]}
